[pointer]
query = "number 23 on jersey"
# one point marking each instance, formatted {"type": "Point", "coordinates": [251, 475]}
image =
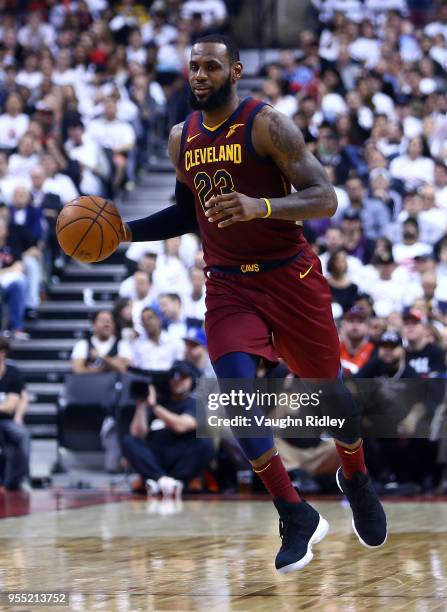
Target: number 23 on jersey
{"type": "Point", "coordinates": [221, 181]}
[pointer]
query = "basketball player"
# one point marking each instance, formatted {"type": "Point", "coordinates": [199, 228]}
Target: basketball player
{"type": "Point", "coordinates": [236, 161]}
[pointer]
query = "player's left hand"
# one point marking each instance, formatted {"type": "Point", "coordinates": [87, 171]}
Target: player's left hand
{"type": "Point", "coordinates": [230, 208]}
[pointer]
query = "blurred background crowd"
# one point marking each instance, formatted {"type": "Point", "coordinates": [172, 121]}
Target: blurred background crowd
{"type": "Point", "coordinates": [88, 92]}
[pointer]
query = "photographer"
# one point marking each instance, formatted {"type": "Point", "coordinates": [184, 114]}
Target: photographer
{"type": "Point", "coordinates": [162, 444]}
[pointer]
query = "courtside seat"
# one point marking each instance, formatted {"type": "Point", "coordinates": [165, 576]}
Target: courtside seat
{"type": "Point", "coordinates": [125, 406]}
{"type": "Point", "coordinates": [86, 401]}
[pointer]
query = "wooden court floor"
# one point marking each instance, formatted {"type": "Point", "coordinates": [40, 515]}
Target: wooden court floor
{"type": "Point", "coordinates": [138, 554]}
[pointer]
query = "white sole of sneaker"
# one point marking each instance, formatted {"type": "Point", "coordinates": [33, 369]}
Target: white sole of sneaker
{"type": "Point", "coordinates": [362, 542]}
{"type": "Point", "coordinates": [319, 533]}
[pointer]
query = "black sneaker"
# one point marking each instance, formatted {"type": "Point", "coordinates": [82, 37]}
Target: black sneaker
{"type": "Point", "coordinates": [300, 526]}
{"type": "Point", "coordinates": [368, 516]}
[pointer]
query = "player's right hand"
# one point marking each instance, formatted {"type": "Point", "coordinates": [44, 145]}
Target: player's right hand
{"type": "Point", "coordinates": [234, 207]}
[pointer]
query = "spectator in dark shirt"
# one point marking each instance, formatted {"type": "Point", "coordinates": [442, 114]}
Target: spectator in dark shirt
{"type": "Point", "coordinates": [390, 362]}
{"type": "Point", "coordinates": [397, 405]}
{"type": "Point", "coordinates": [354, 240]}
{"type": "Point", "coordinates": [422, 355]}
{"type": "Point", "coordinates": [26, 215]}
{"type": "Point", "coordinates": [13, 434]}
{"type": "Point", "coordinates": [12, 281]}
{"type": "Point", "coordinates": [50, 205]}
{"type": "Point", "coordinates": [344, 292]}
{"type": "Point", "coordinates": [162, 445]}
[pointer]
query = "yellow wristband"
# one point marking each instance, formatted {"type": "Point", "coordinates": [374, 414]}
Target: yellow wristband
{"type": "Point", "coordinates": [268, 207]}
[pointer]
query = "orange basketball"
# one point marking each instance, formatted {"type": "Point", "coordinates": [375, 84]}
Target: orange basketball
{"type": "Point", "coordinates": [89, 229]}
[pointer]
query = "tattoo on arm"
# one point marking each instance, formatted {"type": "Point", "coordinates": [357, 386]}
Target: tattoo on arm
{"type": "Point", "coordinates": [281, 137]}
{"type": "Point", "coordinates": [292, 157]}
{"type": "Point", "coordinates": [282, 140]}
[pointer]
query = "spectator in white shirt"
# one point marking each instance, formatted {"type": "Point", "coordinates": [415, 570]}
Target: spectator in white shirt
{"type": "Point", "coordinates": [194, 304]}
{"type": "Point", "coordinates": [158, 30]}
{"type": "Point", "coordinates": [173, 320]}
{"type": "Point", "coordinates": [213, 12]}
{"type": "Point", "coordinates": [7, 182]}
{"type": "Point", "coordinates": [382, 286]}
{"type": "Point", "coordinates": [144, 296]}
{"type": "Point", "coordinates": [440, 25]}
{"type": "Point", "coordinates": [353, 9]}
{"type": "Point", "coordinates": [170, 271]}
{"type": "Point", "coordinates": [393, 141]}
{"type": "Point", "coordinates": [93, 163]}
{"type": "Point", "coordinates": [63, 73]}
{"type": "Point", "coordinates": [56, 182]}
{"type": "Point", "coordinates": [379, 7]}
{"type": "Point", "coordinates": [111, 133]}
{"type": "Point", "coordinates": [138, 250]}
{"type": "Point", "coordinates": [146, 263]}
{"type": "Point", "coordinates": [114, 135]}
{"type": "Point", "coordinates": [413, 166]}
{"type": "Point", "coordinates": [404, 252]}
{"type": "Point", "coordinates": [21, 163]}
{"type": "Point", "coordinates": [154, 349]}
{"type": "Point", "coordinates": [136, 52]}
{"type": "Point", "coordinates": [333, 241]}
{"type": "Point", "coordinates": [432, 219]}
{"type": "Point", "coordinates": [174, 57]}
{"type": "Point", "coordinates": [284, 104]}
{"type": "Point", "coordinates": [366, 48]}
{"type": "Point", "coordinates": [13, 123]}
{"type": "Point", "coordinates": [30, 76]}
{"type": "Point", "coordinates": [36, 34]}
{"type": "Point", "coordinates": [102, 352]}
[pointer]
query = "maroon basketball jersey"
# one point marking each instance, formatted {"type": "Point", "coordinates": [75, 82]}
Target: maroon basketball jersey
{"type": "Point", "coordinates": [223, 160]}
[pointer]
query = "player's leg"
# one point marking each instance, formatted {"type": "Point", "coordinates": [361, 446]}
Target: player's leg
{"type": "Point", "coordinates": [306, 337]}
{"type": "Point", "coordinates": [353, 479]}
{"type": "Point", "coordinates": [301, 526]}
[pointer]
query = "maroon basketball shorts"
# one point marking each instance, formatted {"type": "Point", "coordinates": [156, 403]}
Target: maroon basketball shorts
{"type": "Point", "coordinates": [285, 312]}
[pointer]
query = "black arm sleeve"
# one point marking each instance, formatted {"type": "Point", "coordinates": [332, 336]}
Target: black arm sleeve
{"type": "Point", "coordinates": [170, 222]}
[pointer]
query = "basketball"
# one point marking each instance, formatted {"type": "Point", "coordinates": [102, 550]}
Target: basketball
{"type": "Point", "coordinates": [89, 229]}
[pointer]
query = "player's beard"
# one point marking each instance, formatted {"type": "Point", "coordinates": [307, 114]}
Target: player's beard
{"type": "Point", "coordinates": [215, 100]}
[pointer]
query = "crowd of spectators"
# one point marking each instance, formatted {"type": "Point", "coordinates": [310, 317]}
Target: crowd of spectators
{"type": "Point", "coordinates": [86, 88]}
